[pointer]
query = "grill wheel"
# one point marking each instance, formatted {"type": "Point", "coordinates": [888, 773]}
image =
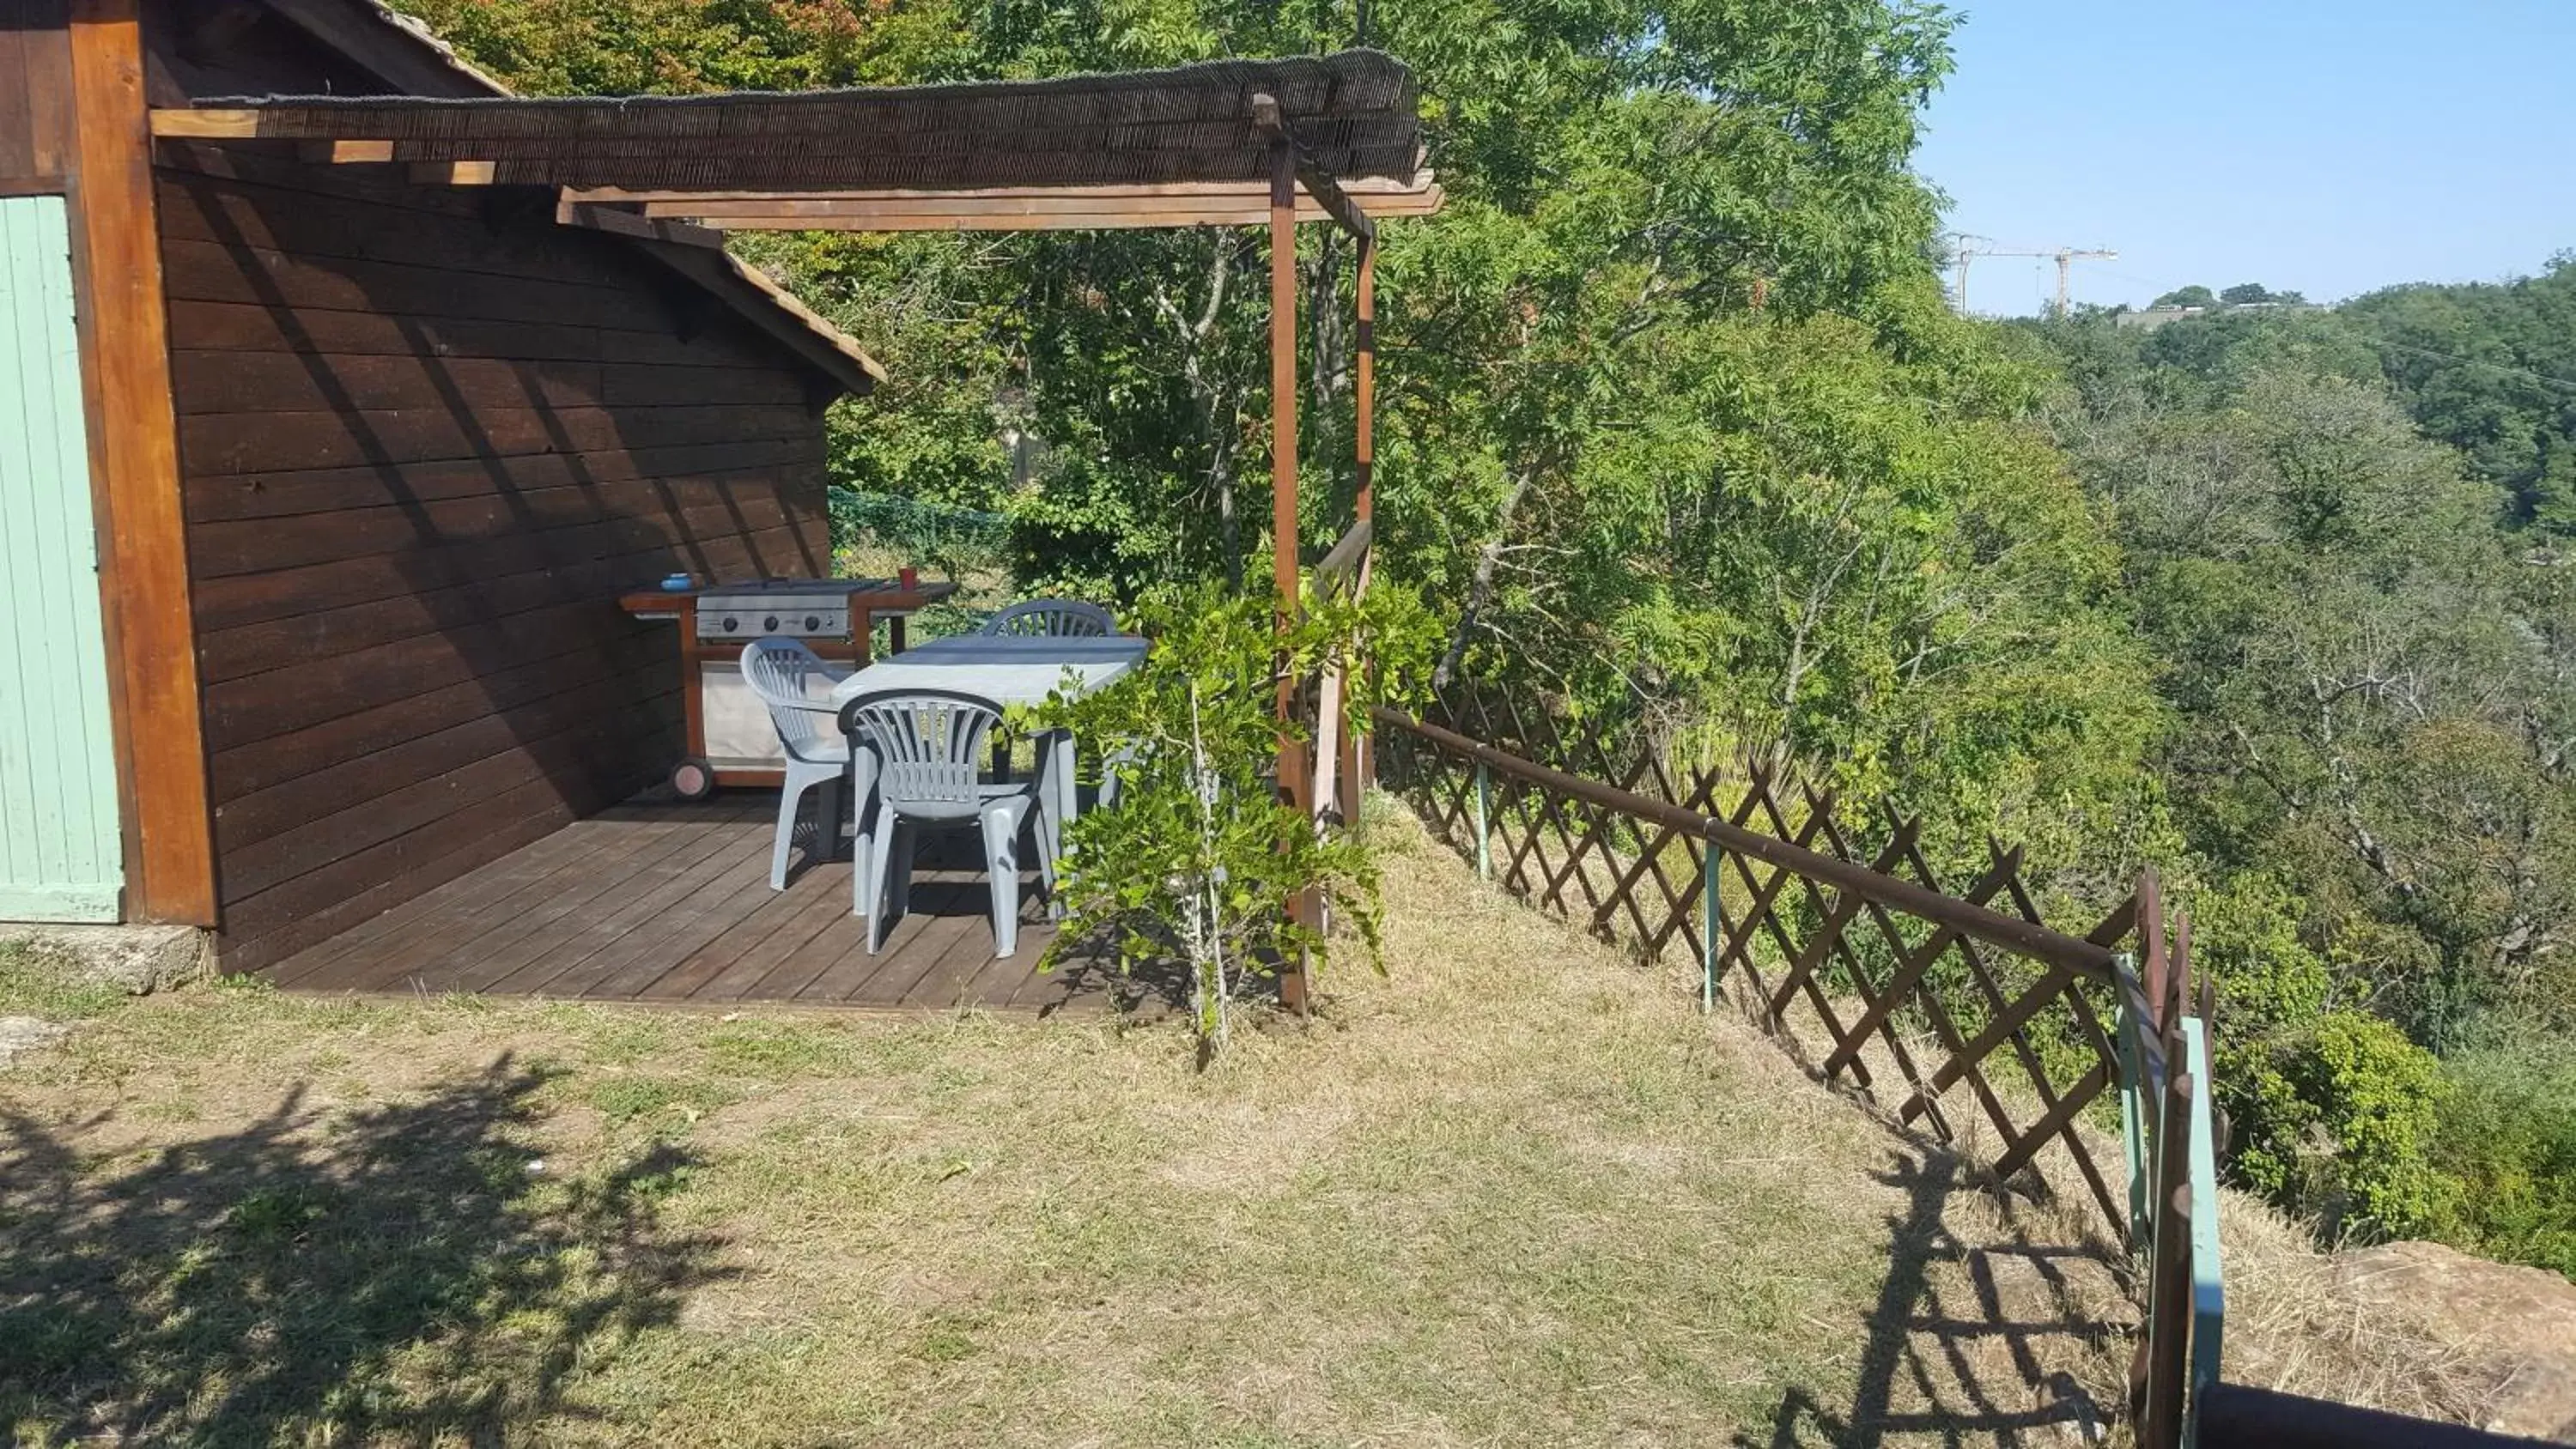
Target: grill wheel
{"type": "Point", "coordinates": [693, 779]}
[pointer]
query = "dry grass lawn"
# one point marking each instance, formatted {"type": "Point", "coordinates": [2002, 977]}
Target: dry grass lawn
{"type": "Point", "coordinates": [1515, 1192]}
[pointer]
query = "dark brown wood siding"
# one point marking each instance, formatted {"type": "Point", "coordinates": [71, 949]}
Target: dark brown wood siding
{"type": "Point", "coordinates": [35, 96]}
{"type": "Point", "coordinates": [426, 438]}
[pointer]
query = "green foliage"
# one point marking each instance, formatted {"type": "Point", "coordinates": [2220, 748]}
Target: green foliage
{"type": "Point", "coordinates": [954, 540]}
{"type": "Point", "coordinates": [2371, 686]}
{"type": "Point", "coordinates": [2255, 294]}
{"type": "Point", "coordinates": [2205, 363]}
{"type": "Point", "coordinates": [626, 47]}
{"type": "Point", "coordinates": [2194, 295]}
{"type": "Point", "coordinates": [2334, 1118]}
{"type": "Point", "coordinates": [2247, 938]}
{"type": "Point", "coordinates": [2508, 1135]}
{"type": "Point", "coordinates": [2368, 670]}
{"type": "Point", "coordinates": [1198, 858]}
{"type": "Point", "coordinates": [2490, 368]}
{"type": "Point", "coordinates": [935, 310]}
{"type": "Point", "coordinates": [1839, 542]}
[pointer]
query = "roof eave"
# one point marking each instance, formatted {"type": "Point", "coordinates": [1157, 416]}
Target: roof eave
{"type": "Point", "coordinates": [404, 52]}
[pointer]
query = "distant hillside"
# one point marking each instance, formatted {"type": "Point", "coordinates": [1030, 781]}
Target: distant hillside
{"type": "Point", "coordinates": [2486, 367]}
{"type": "Point", "coordinates": [2345, 536]}
{"type": "Point", "coordinates": [2490, 368]}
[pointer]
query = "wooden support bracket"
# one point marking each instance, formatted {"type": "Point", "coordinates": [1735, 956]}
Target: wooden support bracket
{"type": "Point", "coordinates": [1319, 183]}
{"type": "Point", "coordinates": [598, 216]}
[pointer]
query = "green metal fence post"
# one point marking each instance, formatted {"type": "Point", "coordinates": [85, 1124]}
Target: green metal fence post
{"type": "Point", "coordinates": [1484, 822]}
{"type": "Point", "coordinates": [2208, 1287]}
{"type": "Point", "coordinates": [1708, 927]}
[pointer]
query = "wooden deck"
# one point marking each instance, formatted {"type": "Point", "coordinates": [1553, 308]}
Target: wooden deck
{"type": "Point", "coordinates": [659, 901]}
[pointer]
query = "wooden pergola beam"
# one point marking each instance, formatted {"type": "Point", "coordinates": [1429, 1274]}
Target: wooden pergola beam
{"type": "Point", "coordinates": [1336, 203]}
{"type": "Point", "coordinates": [1074, 215]}
{"type": "Point", "coordinates": [976, 208]}
{"type": "Point", "coordinates": [1009, 209]}
{"type": "Point", "coordinates": [208, 124]}
{"type": "Point", "coordinates": [1053, 221]}
{"type": "Point", "coordinates": [1145, 203]}
{"type": "Point", "coordinates": [1374, 189]}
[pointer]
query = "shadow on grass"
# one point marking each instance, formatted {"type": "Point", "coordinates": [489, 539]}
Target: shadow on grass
{"type": "Point", "coordinates": [1087, 968]}
{"type": "Point", "coordinates": [1968, 1341]}
{"type": "Point", "coordinates": [401, 1273]}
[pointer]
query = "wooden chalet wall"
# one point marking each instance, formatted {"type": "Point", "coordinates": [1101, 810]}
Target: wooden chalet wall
{"type": "Point", "coordinates": [427, 436]}
{"type": "Point", "coordinates": [35, 96]}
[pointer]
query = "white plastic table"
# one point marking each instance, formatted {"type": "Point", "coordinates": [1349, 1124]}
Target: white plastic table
{"type": "Point", "coordinates": [1008, 670]}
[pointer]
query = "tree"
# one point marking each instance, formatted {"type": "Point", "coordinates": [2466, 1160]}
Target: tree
{"type": "Point", "coordinates": [2490, 368]}
{"type": "Point", "coordinates": [1197, 859]}
{"type": "Point", "coordinates": [2194, 295]}
{"type": "Point", "coordinates": [1614, 166]}
{"type": "Point", "coordinates": [2372, 697]}
{"type": "Point", "coordinates": [2207, 362]}
{"type": "Point", "coordinates": [2245, 294]}
{"type": "Point", "coordinates": [1680, 426]}
{"type": "Point", "coordinates": [2368, 698]}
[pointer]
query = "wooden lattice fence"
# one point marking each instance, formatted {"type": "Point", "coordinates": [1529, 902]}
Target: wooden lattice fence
{"type": "Point", "coordinates": [1854, 951]}
{"type": "Point", "coordinates": [1768, 887]}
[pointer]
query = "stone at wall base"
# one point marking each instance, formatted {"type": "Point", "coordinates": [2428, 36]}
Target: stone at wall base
{"type": "Point", "coordinates": [134, 959]}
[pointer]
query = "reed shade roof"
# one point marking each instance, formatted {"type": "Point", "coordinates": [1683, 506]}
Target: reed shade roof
{"type": "Point", "coordinates": [1351, 113]}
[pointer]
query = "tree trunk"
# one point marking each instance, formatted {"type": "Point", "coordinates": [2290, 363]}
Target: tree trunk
{"type": "Point", "coordinates": [1220, 441]}
{"type": "Point", "coordinates": [1208, 395]}
{"type": "Point", "coordinates": [1328, 375]}
{"type": "Point", "coordinates": [1480, 588]}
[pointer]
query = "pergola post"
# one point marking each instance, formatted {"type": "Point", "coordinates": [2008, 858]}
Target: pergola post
{"type": "Point", "coordinates": [1356, 766]}
{"type": "Point", "coordinates": [1283, 430]}
{"type": "Point", "coordinates": [1293, 787]}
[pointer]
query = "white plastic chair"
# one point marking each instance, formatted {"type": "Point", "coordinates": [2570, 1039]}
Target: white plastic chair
{"type": "Point", "coordinates": [797, 687]}
{"type": "Point", "coordinates": [1113, 768]}
{"type": "Point", "coordinates": [1047, 619]}
{"type": "Point", "coordinates": [1052, 619]}
{"type": "Point", "coordinates": [921, 748]}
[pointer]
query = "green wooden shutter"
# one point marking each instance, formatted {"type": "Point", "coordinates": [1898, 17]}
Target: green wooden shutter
{"type": "Point", "coordinates": [61, 858]}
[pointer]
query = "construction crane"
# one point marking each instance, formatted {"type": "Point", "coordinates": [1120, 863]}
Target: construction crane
{"type": "Point", "coordinates": [1966, 248]}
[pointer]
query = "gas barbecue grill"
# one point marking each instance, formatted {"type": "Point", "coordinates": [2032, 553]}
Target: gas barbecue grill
{"type": "Point", "coordinates": [730, 738]}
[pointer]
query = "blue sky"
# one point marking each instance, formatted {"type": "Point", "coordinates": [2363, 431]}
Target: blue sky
{"type": "Point", "coordinates": [2331, 148]}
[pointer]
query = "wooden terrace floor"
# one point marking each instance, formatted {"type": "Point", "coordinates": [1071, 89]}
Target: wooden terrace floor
{"type": "Point", "coordinates": [661, 901]}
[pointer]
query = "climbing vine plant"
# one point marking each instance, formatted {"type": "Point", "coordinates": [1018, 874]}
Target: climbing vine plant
{"type": "Point", "coordinates": [1195, 859]}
